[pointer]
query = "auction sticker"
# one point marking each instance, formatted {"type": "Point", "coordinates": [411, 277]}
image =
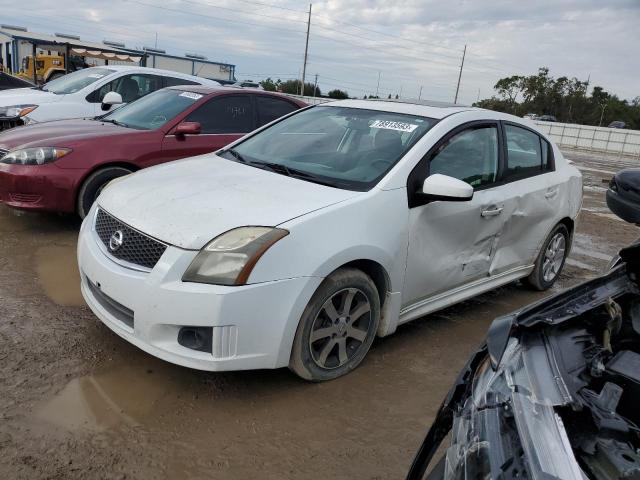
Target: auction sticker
{"type": "Point", "coordinates": [400, 126]}
{"type": "Point", "coordinates": [191, 95]}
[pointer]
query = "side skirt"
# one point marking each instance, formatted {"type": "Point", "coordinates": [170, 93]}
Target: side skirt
{"type": "Point", "coordinates": [446, 299]}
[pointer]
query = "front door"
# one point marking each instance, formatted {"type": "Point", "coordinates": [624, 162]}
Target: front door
{"type": "Point", "coordinates": [453, 243]}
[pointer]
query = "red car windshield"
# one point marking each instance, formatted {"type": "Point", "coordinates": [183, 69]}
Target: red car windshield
{"type": "Point", "coordinates": [154, 110]}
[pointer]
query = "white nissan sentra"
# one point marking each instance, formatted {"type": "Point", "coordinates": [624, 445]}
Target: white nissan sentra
{"type": "Point", "coordinates": [298, 244]}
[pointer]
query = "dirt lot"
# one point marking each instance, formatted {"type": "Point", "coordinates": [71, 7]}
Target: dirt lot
{"type": "Point", "coordinates": [76, 401]}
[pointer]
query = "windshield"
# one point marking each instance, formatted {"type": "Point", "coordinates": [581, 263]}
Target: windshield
{"type": "Point", "coordinates": [76, 81]}
{"type": "Point", "coordinates": [348, 148]}
{"type": "Point", "coordinates": [153, 110]}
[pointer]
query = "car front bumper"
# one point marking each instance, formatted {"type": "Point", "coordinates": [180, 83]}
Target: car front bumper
{"type": "Point", "coordinates": [37, 187]}
{"type": "Point", "coordinates": [253, 325]}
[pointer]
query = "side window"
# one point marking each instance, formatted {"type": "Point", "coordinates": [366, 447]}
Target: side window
{"type": "Point", "coordinates": [527, 153]}
{"type": "Point", "coordinates": [471, 155]}
{"type": "Point", "coordinates": [173, 81]}
{"type": "Point", "coordinates": [230, 114]}
{"type": "Point", "coordinates": [270, 108]}
{"type": "Point", "coordinates": [131, 87]}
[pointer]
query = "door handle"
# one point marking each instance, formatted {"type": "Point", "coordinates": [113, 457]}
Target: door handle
{"type": "Point", "coordinates": [493, 212]}
{"type": "Point", "coordinates": [551, 193]}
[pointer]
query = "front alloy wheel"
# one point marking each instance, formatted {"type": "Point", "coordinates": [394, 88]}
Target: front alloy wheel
{"type": "Point", "coordinates": [338, 326]}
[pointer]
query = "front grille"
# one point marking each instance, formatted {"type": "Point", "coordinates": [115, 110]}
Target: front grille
{"type": "Point", "coordinates": [117, 310]}
{"type": "Point", "coordinates": [136, 247]}
{"type": "Point", "coordinates": [7, 123]}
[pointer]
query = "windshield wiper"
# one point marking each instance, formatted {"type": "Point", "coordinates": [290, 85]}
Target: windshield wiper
{"type": "Point", "coordinates": [115, 122]}
{"type": "Point", "coordinates": [281, 169]}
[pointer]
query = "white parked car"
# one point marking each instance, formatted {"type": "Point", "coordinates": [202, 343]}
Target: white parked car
{"type": "Point", "coordinates": [298, 244]}
{"type": "Point", "coordinates": [86, 93]}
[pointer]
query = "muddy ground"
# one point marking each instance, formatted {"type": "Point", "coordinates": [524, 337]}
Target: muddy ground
{"type": "Point", "coordinates": [76, 401]}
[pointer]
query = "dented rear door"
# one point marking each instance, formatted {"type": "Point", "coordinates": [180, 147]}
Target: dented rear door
{"type": "Point", "coordinates": [534, 195]}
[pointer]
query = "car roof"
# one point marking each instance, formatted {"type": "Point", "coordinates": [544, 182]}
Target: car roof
{"type": "Point", "coordinates": [138, 68]}
{"type": "Point", "coordinates": [423, 108]}
{"type": "Point", "coordinates": [206, 90]}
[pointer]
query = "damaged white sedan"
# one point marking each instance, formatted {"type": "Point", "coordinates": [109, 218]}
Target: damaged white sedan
{"type": "Point", "coordinates": [298, 244]}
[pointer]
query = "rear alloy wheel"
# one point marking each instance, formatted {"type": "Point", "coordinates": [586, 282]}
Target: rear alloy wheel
{"type": "Point", "coordinates": [93, 186]}
{"type": "Point", "coordinates": [550, 260]}
{"type": "Point", "coordinates": [337, 327]}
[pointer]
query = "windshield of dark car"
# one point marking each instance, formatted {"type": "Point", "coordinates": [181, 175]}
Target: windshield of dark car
{"type": "Point", "coordinates": [154, 110]}
{"type": "Point", "coordinates": [76, 81]}
{"type": "Point", "coordinates": [345, 147]}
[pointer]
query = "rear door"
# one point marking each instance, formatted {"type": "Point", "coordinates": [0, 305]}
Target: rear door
{"type": "Point", "coordinates": [223, 119]}
{"type": "Point", "coordinates": [532, 197]}
{"type": "Point", "coordinates": [452, 244]}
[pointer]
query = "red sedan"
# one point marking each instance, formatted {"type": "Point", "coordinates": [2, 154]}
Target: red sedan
{"type": "Point", "coordinates": [62, 166]}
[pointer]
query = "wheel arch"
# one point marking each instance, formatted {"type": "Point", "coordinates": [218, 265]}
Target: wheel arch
{"type": "Point", "coordinates": [116, 163]}
{"type": "Point", "coordinates": [376, 272]}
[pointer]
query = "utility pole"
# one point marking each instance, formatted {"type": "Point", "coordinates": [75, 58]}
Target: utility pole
{"type": "Point", "coordinates": [460, 74]}
{"type": "Point", "coordinates": [315, 86]}
{"type": "Point", "coordinates": [420, 94]}
{"type": "Point", "coordinates": [306, 51]}
{"type": "Point", "coordinates": [378, 87]}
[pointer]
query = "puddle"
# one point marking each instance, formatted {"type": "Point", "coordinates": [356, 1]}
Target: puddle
{"type": "Point", "coordinates": [579, 264]}
{"type": "Point", "coordinates": [576, 250]}
{"type": "Point", "coordinates": [57, 270]}
{"type": "Point", "coordinates": [610, 216]}
{"type": "Point", "coordinates": [124, 396]}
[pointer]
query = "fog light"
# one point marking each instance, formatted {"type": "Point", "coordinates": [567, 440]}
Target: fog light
{"type": "Point", "coordinates": [196, 338]}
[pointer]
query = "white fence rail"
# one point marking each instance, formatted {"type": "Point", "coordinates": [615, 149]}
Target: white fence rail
{"type": "Point", "coordinates": [593, 139]}
{"type": "Point", "coordinates": [569, 135]}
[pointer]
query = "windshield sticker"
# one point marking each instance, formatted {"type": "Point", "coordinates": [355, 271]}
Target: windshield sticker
{"type": "Point", "coordinates": [191, 95]}
{"type": "Point", "coordinates": [95, 75]}
{"type": "Point", "coordinates": [388, 125]}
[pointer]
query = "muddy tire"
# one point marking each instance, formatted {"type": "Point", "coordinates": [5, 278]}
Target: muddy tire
{"type": "Point", "coordinates": [550, 260]}
{"type": "Point", "coordinates": [337, 328]}
{"type": "Point", "coordinates": [94, 184]}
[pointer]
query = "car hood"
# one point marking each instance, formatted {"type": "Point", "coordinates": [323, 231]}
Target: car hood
{"type": "Point", "coordinates": [60, 133]}
{"type": "Point", "coordinates": [27, 96]}
{"type": "Point", "coordinates": [189, 202]}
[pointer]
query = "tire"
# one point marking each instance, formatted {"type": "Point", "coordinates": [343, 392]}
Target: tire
{"type": "Point", "coordinates": [94, 184]}
{"type": "Point", "coordinates": [551, 259]}
{"type": "Point", "coordinates": [341, 340]}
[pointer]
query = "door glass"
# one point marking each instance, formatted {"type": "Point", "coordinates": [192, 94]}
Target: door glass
{"type": "Point", "coordinates": [230, 114]}
{"type": "Point", "coordinates": [524, 152]}
{"type": "Point", "coordinates": [471, 155]}
{"type": "Point", "coordinates": [130, 87]}
{"type": "Point", "coordinates": [270, 108]}
{"type": "Point", "coordinates": [173, 81]}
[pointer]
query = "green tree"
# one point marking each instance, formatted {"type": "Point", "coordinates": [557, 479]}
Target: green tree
{"type": "Point", "coordinates": [338, 94]}
{"type": "Point", "coordinates": [293, 87]}
{"type": "Point", "coordinates": [269, 85]}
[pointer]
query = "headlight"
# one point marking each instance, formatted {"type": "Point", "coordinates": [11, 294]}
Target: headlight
{"type": "Point", "coordinates": [17, 110]}
{"type": "Point", "coordinates": [229, 258]}
{"type": "Point", "coordinates": [34, 156]}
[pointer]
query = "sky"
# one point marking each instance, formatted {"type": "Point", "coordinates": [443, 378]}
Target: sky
{"type": "Point", "coordinates": [407, 47]}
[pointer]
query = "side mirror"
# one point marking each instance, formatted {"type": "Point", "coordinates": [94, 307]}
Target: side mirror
{"type": "Point", "coordinates": [110, 99]}
{"type": "Point", "coordinates": [443, 187]}
{"type": "Point", "coordinates": [187, 128]}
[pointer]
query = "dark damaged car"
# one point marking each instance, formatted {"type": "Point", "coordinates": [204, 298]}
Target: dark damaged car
{"type": "Point", "coordinates": [554, 393]}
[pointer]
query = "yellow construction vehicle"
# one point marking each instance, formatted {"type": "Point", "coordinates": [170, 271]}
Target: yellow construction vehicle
{"type": "Point", "coordinates": [49, 66]}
